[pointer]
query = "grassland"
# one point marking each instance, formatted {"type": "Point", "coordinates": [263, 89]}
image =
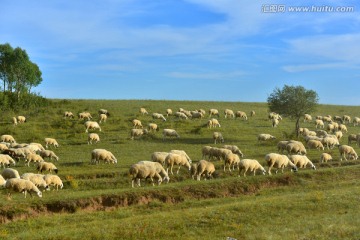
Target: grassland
{"type": "Point", "coordinates": [97, 201]}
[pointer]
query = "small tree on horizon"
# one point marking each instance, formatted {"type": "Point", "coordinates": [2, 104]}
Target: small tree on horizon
{"type": "Point", "coordinates": [293, 102]}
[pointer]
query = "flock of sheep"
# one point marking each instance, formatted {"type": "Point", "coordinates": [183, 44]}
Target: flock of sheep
{"type": "Point", "coordinates": [162, 163]}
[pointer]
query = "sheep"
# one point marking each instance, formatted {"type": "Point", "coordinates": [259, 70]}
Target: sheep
{"type": "Point", "coordinates": [137, 123]}
{"type": "Point", "coordinates": [51, 141]}
{"type": "Point", "coordinates": [181, 152]}
{"type": "Point", "coordinates": [219, 153]}
{"type": "Point", "coordinates": [138, 133]}
{"type": "Point", "coordinates": [84, 115]}
{"type": "Point", "coordinates": [3, 147]}
{"type": "Point", "coordinates": [159, 157]}
{"type": "Point", "coordinates": [324, 157]}
{"type": "Point", "coordinates": [240, 114]}
{"type": "Point", "coordinates": [170, 133]}
{"type": "Point", "coordinates": [68, 114]}
{"type": "Point", "coordinates": [93, 137]}
{"type": "Point", "coordinates": [295, 147]}
{"type": "Point", "coordinates": [252, 165]}
{"type": "Point", "coordinates": [234, 149]}
{"type": "Point", "coordinates": [37, 179]}
{"type": "Point", "coordinates": [158, 116]}
{"type": "Point", "coordinates": [33, 157]}
{"type": "Point", "coordinates": [181, 115]}
{"type": "Point", "coordinates": [15, 153]}
{"type": "Point", "coordinates": [48, 154]}
{"type": "Point", "coordinates": [92, 126]}
{"type": "Point", "coordinates": [348, 151]}
{"type": "Point", "coordinates": [14, 121]}
{"type": "Point", "coordinates": [6, 160]}
{"type": "Point", "coordinates": [7, 138]}
{"type": "Point", "coordinates": [140, 171]}
{"type": "Point", "coordinates": [98, 155]}
{"type": "Point", "coordinates": [213, 123]}
{"type": "Point", "coordinates": [252, 113]}
{"type": "Point", "coordinates": [2, 181]}
{"type": "Point", "coordinates": [356, 121]}
{"type": "Point", "coordinates": [278, 161]}
{"type": "Point", "coordinates": [159, 169]}
{"type": "Point", "coordinates": [8, 173]}
{"type": "Point", "coordinates": [196, 114]}
{"type": "Point", "coordinates": [36, 146]}
{"type": "Point", "coordinates": [231, 159]}
{"type": "Point", "coordinates": [176, 159]}
{"type": "Point", "coordinates": [315, 144]}
{"type": "Point", "coordinates": [301, 161]}
{"type": "Point", "coordinates": [321, 133]}
{"type": "Point", "coordinates": [330, 142]}
{"type": "Point", "coordinates": [23, 186]}
{"type": "Point", "coordinates": [319, 117]}
{"type": "Point", "coordinates": [153, 127]}
{"type": "Point", "coordinates": [319, 123]}
{"type": "Point", "coordinates": [273, 115]}
{"type": "Point", "coordinates": [206, 168]}
{"type": "Point", "coordinates": [327, 119]}
{"type": "Point", "coordinates": [282, 146]}
{"type": "Point", "coordinates": [338, 134]}
{"type": "Point", "coordinates": [217, 136]}
{"type": "Point", "coordinates": [351, 137]}
{"type": "Point", "coordinates": [275, 122]}
{"type": "Point", "coordinates": [104, 111]}
{"type": "Point", "coordinates": [53, 180]}
{"type": "Point", "coordinates": [346, 119]}
{"type": "Point", "coordinates": [214, 112]}
{"type": "Point", "coordinates": [205, 151]}
{"type": "Point", "coordinates": [21, 119]}
{"type": "Point", "coordinates": [143, 111]}
{"type": "Point", "coordinates": [343, 128]}
{"type": "Point", "coordinates": [265, 137]}
{"type": "Point", "coordinates": [46, 166]}
{"type": "Point", "coordinates": [307, 118]}
{"type": "Point", "coordinates": [169, 112]}
{"type": "Point", "coordinates": [102, 118]}
{"type": "Point", "coordinates": [202, 111]}
{"type": "Point", "coordinates": [229, 113]}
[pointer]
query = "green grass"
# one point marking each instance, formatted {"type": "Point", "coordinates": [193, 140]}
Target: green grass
{"type": "Point", "coordinates": [98, 202]}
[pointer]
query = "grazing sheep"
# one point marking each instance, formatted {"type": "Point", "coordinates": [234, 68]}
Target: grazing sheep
{"type": "Point", "coordinates": [240, 114]}
{"type": "Point", "coordinates": [324, 157]}
{"type": "Point", "coordinates": [295, 147]}
{"type": "Point", "coordinates": [37, 179]}
{"type": "Point", "coordinates": [204, 168]}
{"type": "Point", "coordinates": [92, 126]}
{"type": "Point", "coordinates": [159, 169]}
{"type": "Point", "coordinates": [140, 171]}
{"type": "Point", "coordinates": [356, 121]}
{"type": "Point", "coordinates": [265, 137]}
{"type": "Point", "coordinates": [315, 144]}
{"type": "Point", "coordinates": [23, 186]}
{"type": "Point", "coordinates": [137, 123]}
{"type": "Point", "coordinates": [330, 142]}
{"type": "Point", "coordinates": [138, 133]}
{"type": "Point", "coordinates": [282, 146]}
{"type": "Point", "coordinates": [14, 121]}
{"type": "Point", "coordinates": [338, 134]}
{"type": "Point", "coordinates": [252, 113]}
{"type": "Point", "coordinates": [3, 147]}
{"type": "Point", "coordinates": [219, 153]}
{"type": "Point", "coordinates": [46, 166]}
{"type": "Point", "coordinates": [307, 118]}
{"type": "Point", "coordinates": [153, 127]}
{"type": "Point", "coordinates": [319, 123]}
{"type": "Point", "coordinates": [352, 137]}
{"type": "Point", "coordinates": [181, 152]}
{"type": "Point", "coordinates": [252, 165]}
{"type": "Point", "coordinates": [159, 157]}
{"type": "Point", "coordinates": [84, 115]}
{"type": "Point", "coordinates": [21, 119]}
{"type": "Point", "coordinates": [176, 159]}
{"type": "Point", "coordinates": [143, 111]}
{"type": "Point", "coordinates": [170, 133]}
{"type": "Point", "coordinates": [104, 111]}
{"type": "Point", "coordinates": [98, 155]}
{"type": "Point", "coordinates": [196, 115]}
{"type": "Point", "coordinates": [275, 122]}
{"type": "Point", "coordinates": [169, 112]}
{"type": "Point", "coordinates": [51, 141]}
{"type": "Point", "coordinates": [93, 137]}
{"type": "Point", "coordinates": [181, 115]}
{"type": "Point", "coordinates": [158, 116]}
{"type": "Point", "coordinates": [217, 136]}
{"type": "Point", "coordinates": [102, 118]}
{"type": "Point", "coordinates": [214, 112]}
{"type": "Point", "coordinates": [33, 157]}
{"type": "Point", "coordinates": [348, 151]}
{"type": "Point", "coordinates": [301, 161]}
{"type": "Point", "coordinates": [231, 159]}
{"type": "Point", "coordinates": [278, 161]}
{"type": "Point", "coordinates": [48, 154]}
{"type": "Point", "coordinates": [8, 173]}
{"type": "Point", "coordinates": [213, 123]}
{"type": "Point", "coordinates": [234, 149]}
{"type": "Point", "coordinates": [343, 128]}
{"type": "Point", "coordinates": [2, 181]}
{"type": "Point", "coordinates": [68, 115]}
{"type": "Point", "coordinates": [346, 119]}
{"type": "Point", "coordinates": [205, 151]}
{"type": "Point", "coordinates": [6, 160]}
{"type": "Point", "coordinates": [7, 138]}
{"type": "Point", "coordinates": [273, 115]}
{"type": "Point", "coordinates": [327, 119]}
{"type": "Point", "coordinates": [321, 133]}
{"type": "Point", "coordinates": [36, 146]}
{"type": "Point", "coordinates": [229, 113]}
{"type": "Point", "coordinates": [319, 117]}
{"type": "Point", "coordinates": [53, 180]}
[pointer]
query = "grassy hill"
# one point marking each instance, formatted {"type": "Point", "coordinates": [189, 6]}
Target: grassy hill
{"type": "Point", "coordinates": [98, 202]}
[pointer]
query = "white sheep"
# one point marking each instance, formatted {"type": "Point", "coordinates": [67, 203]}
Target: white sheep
{"type": "Point", "coordinates": [48, 154]}
{"type": "Point", "coordinates": [348, 151]}
{"type": "Point", "coordinates": [3, 147]}
{"type": "Point", "coordinates": [324, 157]}
{"type": "Point", "coordinates": [153, 127]}
{"type": "Point", "coordinates": [275, 160]}
{"type": "Point", "coordinates": [143, 111]}
{"type": "Point", "coordinates": [104, 111]}
{"type": "Point", "coordinates": [158, 116]}
{"type": "Point", "coordinates": [7, 138]}
{"type": "Point", "coordinates": [14, 121]}
{"type": "Point", "coordinates": [2, 181]}
{"type": "Point", "coordinates": [21, 119]}
{"type": "Point", "coordinates": [338, 134]}
{"type": "Point", "coordinates": [319, 123]}
{"type": "Point", "coordinates": [170, 133]}
{"type": "Point", "coordinates": [53, 180]}
{"type": "Point", "coordinates": [343, 128]}
{"type": "Point", "coordinates": [137, 123]}
{"type": "Point", "coordinates": [159, 169]}
{"type": "Point", "coordinates": [143, 171]}
{"type": "Point", "coordinates": [33, 157]}
{"type": "Point", "coordinates": [265, 137]}
{"type": "Point", "coordinates": [301, 161]}
{"type": "Point", "coordinates": [205, 151]}
{"type": "Point", "coordinates": [274, 115]}
{"type": "Point", "coordinates": [93, 137]}
{"type": "Point", "coordinates": [241, 114]}
{"type": "Point", "coordinates": [92, 126]}
{"type": "Point", "coordinates": [217, 136]}
{"type": "Point", "coordinates": [275, 122]}
{"type": "Point", "coordinates": [295, 147]}
{"type": "Point", "coordinates": [231, 159]}
{"type": "Point", "coordinates": [219, 153]}
{"type": "Point", "coordinates": [330, 142]}
{"type": "Point", "coordinates": [213, 123]}
{"type": "Point", "coordinates": [204, 168]}
{"type": "Point", "coordinates": [51, 141]}
{"type": "Point", "coordinates": [37, 179]}
{"type": "Point", "coordinates": [169, 112]}
{"type": "Point", "coordinates": [84, 115]}
{"type": "Point", "coordinates": [180, 115]}
{"type": "Point", "coordinates": [356, 121]}
{"type": "Point", "coordinates": [8, 173]}
{"type": "Point", "coordinates": [36, 147]}
{"type": "Point", "coordinates": [315, 144]}
{"type": "Point", "coordinates": [229, 113]}
{"type": "Point", "coordinates": [214, 112]}
{"type": "Point", "coordinates": [282, 145]}
{"type": "Point", "coordinates": [138, 133]}
{"type": "Point", "coordinates": [351, 138]}
{"type": "Point", "coordinates": [307, 118]}
{"type": "Point", "coordinates": [252, 165]}
{"type": "Point", "coordinates": [46, 166]}
{"type": "Point", "coordinates": [102, 118]}
{"type": "Point", "coordinates": [234, 149]}
{"type": "Point", "coordinates": [327, 119]}
{"type": "Point", "coordinates": [252, 113]}
{"type": "Point", "coordinates": [68, 114]}
{"type": "Point", "coordinates": [181, 152]}
{"type": "Point", "coordinates": [346, 119]}
{"type": "Point", "coordinates": [159, 157]}
{"type": "Point", "coordinates": [196, 115]}
{"type": "Point", "coordinates": [6, 160]}
{"type": "Point", "coordinates": [176, 159]}
{"type": "Point", "coordinates": [23, 186]}
{"type": "Point", "coordinates": [98, 155]}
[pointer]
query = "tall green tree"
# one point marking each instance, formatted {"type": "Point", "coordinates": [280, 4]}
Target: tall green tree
{"type": "Point", "coordinates": [293, 102]}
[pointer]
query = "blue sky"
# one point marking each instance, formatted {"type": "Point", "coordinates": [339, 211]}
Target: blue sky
{"type": "Point", "coordinates": [214, 50]}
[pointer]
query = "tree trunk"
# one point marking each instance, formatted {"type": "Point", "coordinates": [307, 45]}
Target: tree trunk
{"type": "Point", "coordinates": [297, 126]}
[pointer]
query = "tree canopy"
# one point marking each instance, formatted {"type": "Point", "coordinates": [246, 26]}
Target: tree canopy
{"type": "Point", "coordinates": [293, 102]}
